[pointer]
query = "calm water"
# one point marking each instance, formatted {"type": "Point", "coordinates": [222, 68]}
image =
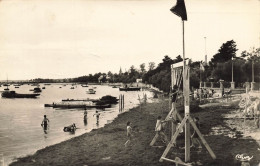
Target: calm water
{"type": "Point", "coordinates": [20, 119]}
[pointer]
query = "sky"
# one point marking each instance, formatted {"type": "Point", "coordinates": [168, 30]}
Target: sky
{"type": "Point", "coordinates": [71, 38]}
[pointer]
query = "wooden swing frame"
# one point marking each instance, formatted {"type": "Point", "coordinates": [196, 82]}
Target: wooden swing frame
{"type": "Point", "coordinates": [186, 121]}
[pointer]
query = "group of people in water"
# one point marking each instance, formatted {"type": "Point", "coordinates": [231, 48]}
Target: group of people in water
{"type": "Point", "coordinates": [97, 114]}
{"type": "Point", "coordinates": [70, 128]}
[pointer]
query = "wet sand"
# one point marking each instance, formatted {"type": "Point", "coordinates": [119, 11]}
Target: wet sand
{"type": "Point", "coordinates": [105, 146]}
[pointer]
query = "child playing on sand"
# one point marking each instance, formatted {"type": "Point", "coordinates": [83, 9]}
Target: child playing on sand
{"type": "Point", "coordinates": [194, 136]}
{"type": "Point", "coordinates": [128, 133]}
{"type": "Point", "coordinates": [159, 129]}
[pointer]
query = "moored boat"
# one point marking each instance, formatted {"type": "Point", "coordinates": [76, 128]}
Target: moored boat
{"type": "Point", "coordinates": [130, 89]}
{"type": "Point", "coordinates": [13, 94]}
{"type": "Point", "coordinates": [91, 91]}
{"type": "Point", "coordinates": [74, 100]}
{"type": "Point", "coordinates": [70, 105]}
{"type": "Point", "coordinates": [107, 100]}
{"type": "Point", "coordinates": [37, 90]}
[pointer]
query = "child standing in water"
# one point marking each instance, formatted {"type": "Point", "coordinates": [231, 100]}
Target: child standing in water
{"type": "Point", "coordinates": [85, 115]}
{"type": "Point", "coordinates": [45, 122]}
{"type": "Point", "coordinates": [97, 116]}
{"type": "Point", "coordinates": [128, 133]}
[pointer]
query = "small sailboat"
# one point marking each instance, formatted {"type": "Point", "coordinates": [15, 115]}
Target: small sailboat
{"type": "Point", "coordinates": [6, 89]}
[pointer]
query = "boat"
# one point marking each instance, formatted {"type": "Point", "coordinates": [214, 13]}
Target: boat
{"type": "Point", "coordinates": [84, 85]}
{"type": "Point", "coordinates": [106, 100]}
{"type": "Point", "coordinates": [91, 91]}
{"type": "Point", "coordinates": [43, 87]}
{"type": "Point", "coordinates": [6, 84]}
{"type": "Point", "coordinates": [129, 89]}
{"type": "Point", "coordinates": [72, 87]}
{"type": "Point", "coordinates": [13, 94]}
{"type": "Point", "coordinates": [114, 84]}
{"type": "Point", "coordinates": [102, 101]}
{"type": "Point", "coordinates": [6, 89]}
{"type": "Point", "coordinates": [37, 90]}
{"type": "Point", "coordinates": [74, 100]}
{"type": "Point", "coordinates": [78, 105]}
{"type": "Point", "coordinates": [16, 87]}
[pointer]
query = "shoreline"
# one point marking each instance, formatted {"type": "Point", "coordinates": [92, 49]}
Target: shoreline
{"type": "Point", "coordinates": [105, 146]}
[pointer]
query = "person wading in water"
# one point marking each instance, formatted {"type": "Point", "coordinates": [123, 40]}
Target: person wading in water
{"type": "Point", "coordinates": [45, 123]}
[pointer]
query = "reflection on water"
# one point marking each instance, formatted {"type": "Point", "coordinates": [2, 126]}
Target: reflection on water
{"type": "Point", "coordinates": [21, 132]}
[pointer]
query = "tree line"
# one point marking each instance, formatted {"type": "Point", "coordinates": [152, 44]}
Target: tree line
{"type": "Point", "coordinates": [219, 67]}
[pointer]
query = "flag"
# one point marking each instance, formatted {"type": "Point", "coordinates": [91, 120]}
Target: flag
{"type": "Point", "coordinates": [202, 67]}
{"type": "Point", "coordinates": [180, 10]}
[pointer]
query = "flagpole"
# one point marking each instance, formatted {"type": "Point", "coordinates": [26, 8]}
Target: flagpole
{"type": "Point", "coordinates": [186, 90]}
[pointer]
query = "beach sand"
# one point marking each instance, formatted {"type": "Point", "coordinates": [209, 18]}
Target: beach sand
{"type": "Point", "coordinates": [105, 146]}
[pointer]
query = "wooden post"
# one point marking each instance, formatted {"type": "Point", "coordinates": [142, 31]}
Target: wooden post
{"type": "Point", "coordinates": [245, 114]}
{"type": "Point", "coordinates": [186, 90]}
{"type": "Point", "coordinates": [170, 101]}
{"type": "Point", "coordinates": [174, 118]}
{"type": "Point", "coordinates": [154, 139]}
{"type": "Point", "coordinates": [119, 103]}
{"type": "Point", "coordinates": [123, 98]}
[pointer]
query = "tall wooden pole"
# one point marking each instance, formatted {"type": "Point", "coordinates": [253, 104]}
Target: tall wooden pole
{"type": "Point", "coordinates": [253, 78]}
{"type": "Point", "coordinates": [232, 70]}
{"type": "Point", "coordinates": [186, 90]}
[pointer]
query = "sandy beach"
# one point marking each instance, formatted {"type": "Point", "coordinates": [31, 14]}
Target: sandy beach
{"type": "Point", "coordinates": [105, 146]}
